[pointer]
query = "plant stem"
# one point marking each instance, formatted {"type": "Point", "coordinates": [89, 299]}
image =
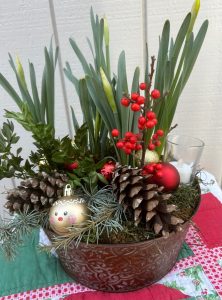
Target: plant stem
{"type": "Point", "coordinates": [146, 107]}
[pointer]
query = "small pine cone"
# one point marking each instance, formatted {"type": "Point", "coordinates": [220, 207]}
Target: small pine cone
{"type": "Point", "coordinates": [147, 201]}
{"type": "Point", "coordinates": [36, 193]}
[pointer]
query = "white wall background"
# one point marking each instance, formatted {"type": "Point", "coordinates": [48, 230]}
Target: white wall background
{"type": "Point", "coordinates": [26, 27]}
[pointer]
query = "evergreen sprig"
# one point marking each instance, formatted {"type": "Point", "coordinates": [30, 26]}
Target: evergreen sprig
{"type": "Point", "coordinates": [12, 232]}
{"type": "Point", "coordinates": [106, 217]}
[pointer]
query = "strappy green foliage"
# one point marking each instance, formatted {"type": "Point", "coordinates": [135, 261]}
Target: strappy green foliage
{"type": "Point", "coordinates": [100, 92]}
{"type": "Point", "coordinates": [175, 62]}
{"type": "Point", "coordinates": [40, 104]}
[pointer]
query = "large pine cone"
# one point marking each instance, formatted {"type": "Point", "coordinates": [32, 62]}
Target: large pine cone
{"type": "Point", "coordinates": [36, 193]}
{"type": "Point", "coordinates": [148, 201]}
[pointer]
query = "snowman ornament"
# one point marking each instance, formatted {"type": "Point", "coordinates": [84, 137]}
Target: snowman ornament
{"type": "Point", "coordinates": [68, 211]}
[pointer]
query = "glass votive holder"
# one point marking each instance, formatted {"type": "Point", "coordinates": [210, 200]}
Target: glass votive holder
{"type": "Point", "coordinates": [184, 153]}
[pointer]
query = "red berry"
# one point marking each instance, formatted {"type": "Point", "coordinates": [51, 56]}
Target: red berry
{"type": "Point", "coordinates": [125, 102]}
{"type": "Point", "coordinates": [140, 100]}
{"type": "Point", "coordinates": [160, 132]}
{"type": "Point", "coordinates": [151, 147]}
{"type": "Point", "coordinates": [115, 132]}
{"type": "Point", "coordinates": [133, 147]}
{"type": "Point", "coordinates": [128, 134]}
{"type": "Point", "coordinates": [133, 139]}
{"type": "Point", "coordinates": [138, 147]}
{"type": "Point", "coordinates": [141, 127]}
{"type": "Point", "coordinates": [134, 96]}
{"type": "Point", "coordinates": [155, 121]}
{"type": "Point", "coordinates": [72, 166]}
{"type": "Point", "coordinates": [139, 136]}
{"type": "Point", "coordinates": [142, 120]}
{"type": "Point", "coordinates": [119, 145]}
{"type": "Point", "coordinates": [128, 145]}
{"type": "Point", "coordinates": [157, 143]}
{"type": "Point", "coordinates": [150, 124]}
{"type": "Point", "coordinates": [135, 107]}
{"type": "Point", "coordinates": [155, 136]}
{"type": "Point", "coordinates": [128, 151]}
{"type": "Point", "coordinates": [142, 86]}
{"type": "Point", "coordinates": [155, 94]}
{"type": "Point", "coordinates": [151, 115]}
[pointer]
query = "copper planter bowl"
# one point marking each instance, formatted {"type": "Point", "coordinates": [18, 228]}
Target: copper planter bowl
{"type": "Point", "coordinates": [122, 267]}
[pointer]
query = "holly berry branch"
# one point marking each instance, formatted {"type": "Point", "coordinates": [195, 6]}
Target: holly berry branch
{"type": "Point", "coordinates": [132, 142]}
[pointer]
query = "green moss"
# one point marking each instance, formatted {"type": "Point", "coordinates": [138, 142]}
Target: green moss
{"type": "Point", "coordinates": [187, 199]}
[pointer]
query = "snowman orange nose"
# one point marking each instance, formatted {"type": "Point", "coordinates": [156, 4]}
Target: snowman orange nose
{"type": "Point", "coordinates": [60, 219]}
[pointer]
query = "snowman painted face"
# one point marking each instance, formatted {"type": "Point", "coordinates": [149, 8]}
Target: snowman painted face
{"type": "Point", "coordinates": [63, 216]}
{"type": "Point", "coordinates": [66, 213]}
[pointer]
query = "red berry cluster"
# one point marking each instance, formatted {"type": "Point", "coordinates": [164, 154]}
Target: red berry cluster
{"type": "Point", "coordinates": [155, 142]}
{"type": "Point", "coordinates": [153, 168]}
{"type": "Point", "coordinates": [149, 121]}
{"type": "Point", "coordinates": [137, 100]}
{"type": "Point", "coordinates": [130, 142]}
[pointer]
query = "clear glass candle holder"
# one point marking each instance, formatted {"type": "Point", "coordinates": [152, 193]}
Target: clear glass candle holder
{"type": "Point", "coordinates": [184, 153]}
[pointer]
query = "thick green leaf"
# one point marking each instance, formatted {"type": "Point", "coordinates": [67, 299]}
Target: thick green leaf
{"type": "Point", "coordinates": [180, 39]}
{"type": "Point", "coordinates": [162, 56]}
{"type": "Point", "coordinates": [85, 103]}
{"type": "Point", "coordinates": [35, 94]}
{"type": "Point", "coordinates": [24, 91]}
{"type": "Point", "coordinates": [195, 51]}
{"type": "Point", "coordinates": [98, 97]}
{"type": "Point", "coordinates": [133, 116]}
{"type": "Point", "coordinates": [10, 90]}
{"type": "Point", "coordinates": [50, 106]}
{"type": "Point", "coordinates": [80, 56]}
{"type": "Point", "coordinates": [71, 77]}
{"type": "Point", "coordinates": [122, 89]}
{"type": "Point", "coordinates": [43, 94]}
{"type": "Point", "coordinates": [74, 120]}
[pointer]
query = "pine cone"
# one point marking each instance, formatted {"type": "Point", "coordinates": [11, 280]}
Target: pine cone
{"type": "Point", "coordinates": [36, 193]}
{"type": "Point", "coordinates": [147, 201]}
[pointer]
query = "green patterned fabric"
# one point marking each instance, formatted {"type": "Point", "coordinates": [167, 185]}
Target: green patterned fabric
{"type": "Point", "coordinates": [31, 269]}
{"type": "Point", "coordinates": [185, 251]}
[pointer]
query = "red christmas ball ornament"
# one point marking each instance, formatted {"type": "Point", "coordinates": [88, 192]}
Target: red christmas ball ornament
{"type": "Point", "coordinates": [170, 177]}
{"type": "Point", "coordinates": [108, 169]}
{"type": "Point", "coordinates": [70, 167]}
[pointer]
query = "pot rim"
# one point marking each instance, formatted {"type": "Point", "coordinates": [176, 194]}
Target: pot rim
{"type": "Point", "coordinates": [120, 245]}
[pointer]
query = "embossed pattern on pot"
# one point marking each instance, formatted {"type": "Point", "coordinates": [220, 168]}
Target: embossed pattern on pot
{"type": "Point", "coordinates": [122, 267]}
